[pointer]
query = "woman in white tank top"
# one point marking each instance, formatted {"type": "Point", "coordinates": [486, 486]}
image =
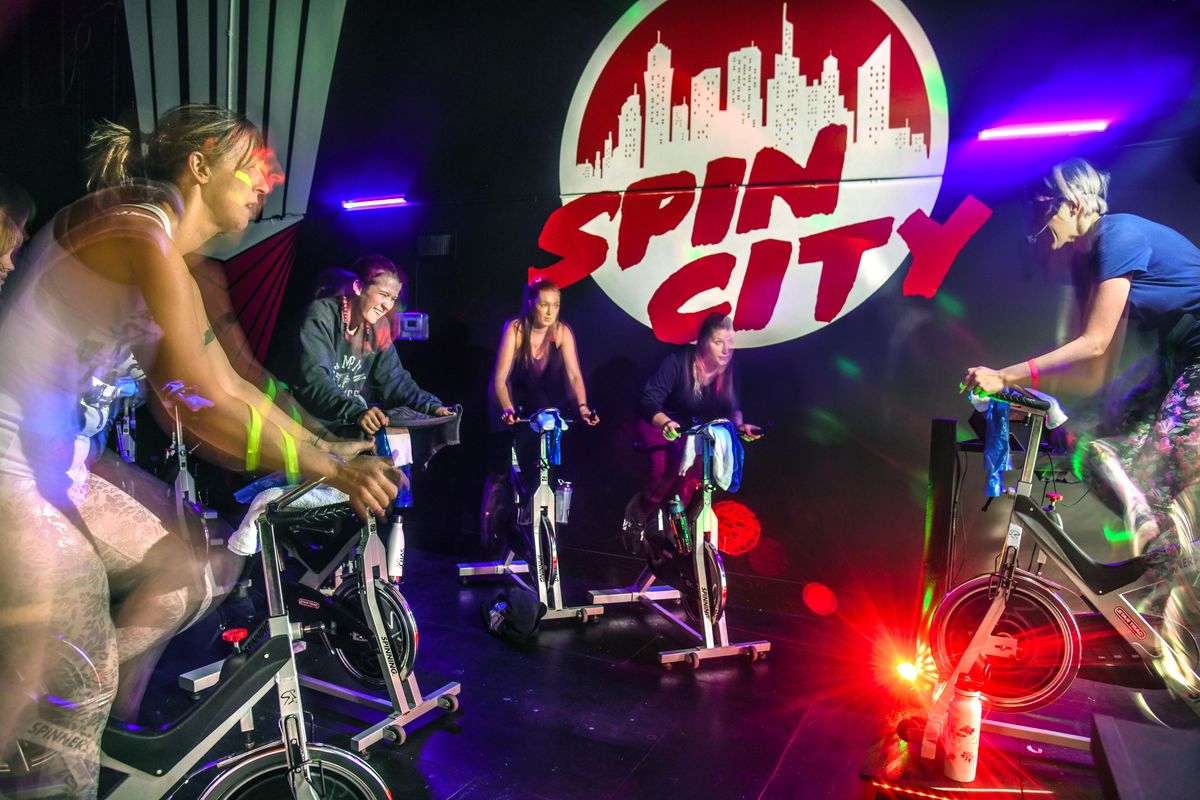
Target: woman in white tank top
{"type": "Point", "coordinates": [105, 280]}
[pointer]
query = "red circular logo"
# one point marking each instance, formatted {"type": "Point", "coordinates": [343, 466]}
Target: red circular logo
{"type": "Point", "coordinates": [751, 158]}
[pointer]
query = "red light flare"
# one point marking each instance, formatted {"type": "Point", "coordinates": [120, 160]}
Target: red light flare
{"type": "Point", "coordinates": [738, 528]}
{"type": "Point", "coordinates": [268, 162]}
{"type": "Point", "coordinates": [863, 636]}
{"type": "Point", "coordinates": [820, 599]}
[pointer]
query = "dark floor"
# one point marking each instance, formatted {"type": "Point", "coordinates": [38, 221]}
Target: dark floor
{"type": "Point", "coordinates": [586, 712]}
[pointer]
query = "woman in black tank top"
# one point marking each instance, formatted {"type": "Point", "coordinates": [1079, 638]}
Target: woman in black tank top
{"type": "Point", "coordinates": [537, 366]}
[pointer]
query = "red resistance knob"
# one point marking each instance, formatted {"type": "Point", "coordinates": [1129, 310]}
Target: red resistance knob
{"type": "Point", "coordinates": [234, 635]}
{"type": "Point", "coordinates": [1053, 497]}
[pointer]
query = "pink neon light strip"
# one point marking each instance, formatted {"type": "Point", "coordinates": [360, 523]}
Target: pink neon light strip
{"type": "Point", "coordinates": [374, 202]}
{"type": "Point", "coordinates": [1044, 129]}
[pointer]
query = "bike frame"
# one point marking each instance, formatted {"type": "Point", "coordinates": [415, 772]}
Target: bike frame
{"type": "Point", "coordinates": [543, 512]}
{"type": "Point", "coordinates": [284, 678]}
{"type": "Point", "coordinates": [1117, 606]}
{"type": "Point", "coordinates": [405, 702]}
{"type": "Point", "coordinates": [713, 636]}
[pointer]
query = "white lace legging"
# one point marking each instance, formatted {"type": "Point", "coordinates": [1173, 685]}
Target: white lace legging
{"type": "Point", "coordinates": [88, 589]}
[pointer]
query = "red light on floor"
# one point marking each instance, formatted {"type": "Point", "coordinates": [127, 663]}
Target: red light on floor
{"type": "Point", "coordinates": [905, 791]}
{"type": "Point", "coordinates": [820, 599]}
{"type": "Point", "coordinates": [738, 528]}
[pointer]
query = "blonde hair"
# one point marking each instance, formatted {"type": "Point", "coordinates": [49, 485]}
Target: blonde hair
{"type": "Point", "coordinates": [16, 209]}
{"type": "Point", "coordinates": [117, 155]}
{"type": "Point", "coordinates": [1077, 182]}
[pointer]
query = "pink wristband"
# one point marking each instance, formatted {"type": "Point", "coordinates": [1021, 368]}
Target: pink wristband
{"type": "Point", "coordinates": [1033, 373]}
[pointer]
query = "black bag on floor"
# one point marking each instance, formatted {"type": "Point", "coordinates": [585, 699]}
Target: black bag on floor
{"type": "Point", "coordinates": [515, 616]}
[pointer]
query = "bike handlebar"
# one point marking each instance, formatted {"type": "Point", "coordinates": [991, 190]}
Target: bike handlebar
{"type": "Point", "coordinates": [548, 409]}
{"type": "Point", "coordinates": [1021, 399]}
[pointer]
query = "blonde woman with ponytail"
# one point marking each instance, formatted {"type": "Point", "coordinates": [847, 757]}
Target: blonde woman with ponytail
{"type": "Point", "coordinates": [84, 562]}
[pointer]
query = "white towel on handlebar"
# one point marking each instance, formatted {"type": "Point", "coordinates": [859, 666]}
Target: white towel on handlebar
{"type": "Point", "coordinates": [244, 540]}
{"type": "Point", "coordinates": [1054, 417]}
{"type": "Point", "coordinates": [722, 459]}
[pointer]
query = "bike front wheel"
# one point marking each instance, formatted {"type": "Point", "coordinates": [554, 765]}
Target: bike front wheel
{"type": "Point", "coordinates": [335, 775]}
{"type": "Point", "coordinates": [1045, 647]}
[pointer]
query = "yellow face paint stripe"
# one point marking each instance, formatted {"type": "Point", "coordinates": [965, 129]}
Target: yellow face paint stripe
{"type": "Point", "coordinates": [244, 178]}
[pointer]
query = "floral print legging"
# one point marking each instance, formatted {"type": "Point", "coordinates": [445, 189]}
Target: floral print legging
{"type": "Point", "coordinates": [1154, 438]}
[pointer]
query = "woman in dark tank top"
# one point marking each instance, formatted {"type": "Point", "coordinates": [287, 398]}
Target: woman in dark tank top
{"type": "Point", "coordinates": [537, 366]}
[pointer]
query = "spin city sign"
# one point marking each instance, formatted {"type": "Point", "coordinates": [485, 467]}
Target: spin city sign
{"type": "Point", "coordinates": [775, 161]}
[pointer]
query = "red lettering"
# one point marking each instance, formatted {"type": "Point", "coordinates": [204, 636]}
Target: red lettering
{"type": "Point", "coordinates": [840, 253]}
{"type": "Point", "coordinates": [760, 288]}
{"type": "Point", "coordinates": [934, 247]}
{"type": "Point", "coordinates": [808, 190]}
{"type": "Point", "coordinates": [718, 198]}
{"type": "Point", "coordinates": [707, 272]}
{"type": "Point", "coordinates": [582, 253]}
{"type": "Point", "coordinates": [651, 208]}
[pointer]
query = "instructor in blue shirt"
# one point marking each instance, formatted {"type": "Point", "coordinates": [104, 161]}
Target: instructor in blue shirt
{"type": "Point", "coordinates": [1150, 454]}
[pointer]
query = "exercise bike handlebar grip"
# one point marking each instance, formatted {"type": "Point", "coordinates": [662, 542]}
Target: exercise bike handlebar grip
{"type": "Point", "coordinates": [1021, 400]}
{"type": "Point", "coordinates": [301, 516]}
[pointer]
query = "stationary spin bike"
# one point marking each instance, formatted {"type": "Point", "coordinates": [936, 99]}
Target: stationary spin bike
{"type": "Point", "coordinates": [347, 601]}
{"type": "Point", "coordinates": [158, 762]}
{"type": "Point", "coordinates": [538, 516]}
{"type": "Point", "coordinates": [1013, 625]}
{"type": "Point", "coordinates": [681, 545]}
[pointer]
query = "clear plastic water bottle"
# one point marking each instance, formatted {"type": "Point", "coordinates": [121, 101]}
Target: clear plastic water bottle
{"type": "Point", "coordinates": [961, 740]}
{"type": "Point", "coordinates": [562, 503]}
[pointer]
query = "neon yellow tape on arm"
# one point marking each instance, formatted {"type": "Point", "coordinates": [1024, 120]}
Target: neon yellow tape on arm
{"type": "Point", "coordinates": [291, 461]}
{"type": "Point", "coordinates": [253, 438]}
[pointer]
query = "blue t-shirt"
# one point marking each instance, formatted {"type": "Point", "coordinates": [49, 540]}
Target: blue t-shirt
{"type": "Point", "coordinates": [1163, 268]}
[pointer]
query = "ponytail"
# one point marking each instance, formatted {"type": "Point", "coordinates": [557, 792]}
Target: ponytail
{"type": "Point", "coordinates": [117, 155]}
{"type": "Point", "coordinates": [114, 156]}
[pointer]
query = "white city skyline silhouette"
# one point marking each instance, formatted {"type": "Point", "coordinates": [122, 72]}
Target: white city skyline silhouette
{"type": "Point", "coordinates": [671, 138]}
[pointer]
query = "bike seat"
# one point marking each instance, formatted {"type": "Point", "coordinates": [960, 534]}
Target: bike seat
{"type": "Point", "coordinates": [1099, 577]}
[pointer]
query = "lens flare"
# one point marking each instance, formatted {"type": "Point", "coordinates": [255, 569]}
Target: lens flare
{"type": "Point", "coordinates": [739, 528]}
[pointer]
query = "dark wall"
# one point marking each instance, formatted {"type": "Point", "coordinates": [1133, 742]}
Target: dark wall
{"type": "Point", "coordinates": [63, 65]}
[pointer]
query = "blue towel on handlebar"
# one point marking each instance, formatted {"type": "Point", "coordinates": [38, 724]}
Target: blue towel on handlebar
{"type": "Point", "coordinates": [247, 493]}
{"type": "Point", "coordinates": [996, 456]}
{"type": "Point", "coordinates": [551, 421]}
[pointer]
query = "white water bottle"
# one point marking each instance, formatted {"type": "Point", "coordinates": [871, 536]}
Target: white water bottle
{"type": "Point", "coordinates": [395, 549]}
{"type": "Point", "coordinates": [961, 740]}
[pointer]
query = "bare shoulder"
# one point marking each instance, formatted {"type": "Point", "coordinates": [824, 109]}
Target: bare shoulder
{"type": "Point", "coordinates": [117, 245]}
{"type": "Point", "coordinates": [566, 332]}
{"type": "Point", "coordinates": [512, 330]}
